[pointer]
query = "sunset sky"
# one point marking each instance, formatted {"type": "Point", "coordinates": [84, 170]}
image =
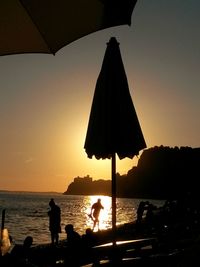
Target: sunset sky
{"type": "Point", "coordinates": [45, 100]}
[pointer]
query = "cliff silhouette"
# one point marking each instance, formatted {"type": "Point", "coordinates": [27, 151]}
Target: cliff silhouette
{"type": "Point", "coordinates": [162, 173]}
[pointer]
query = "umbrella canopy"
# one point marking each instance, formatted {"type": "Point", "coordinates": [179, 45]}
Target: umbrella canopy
{"type": "Point", "coordinates": [45, 26]}
{"type": "Point", "coordinates": [113, 126]}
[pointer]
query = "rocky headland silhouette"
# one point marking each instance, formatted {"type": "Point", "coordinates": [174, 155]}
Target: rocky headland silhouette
{"type": "Point", "coordinates": [161, 173]}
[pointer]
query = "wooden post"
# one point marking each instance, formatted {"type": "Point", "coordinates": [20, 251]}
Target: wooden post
{"type": "Point", "coordinates": [3, 219]}
{"type": "Point", "coordinates": [2, 229]}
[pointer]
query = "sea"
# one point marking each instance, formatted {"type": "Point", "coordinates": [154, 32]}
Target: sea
{"type": "Point", "coordinates": [26, 213]}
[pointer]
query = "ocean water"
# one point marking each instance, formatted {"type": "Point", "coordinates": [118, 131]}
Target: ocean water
{"type": "Point", "coordinates": [26, 213]}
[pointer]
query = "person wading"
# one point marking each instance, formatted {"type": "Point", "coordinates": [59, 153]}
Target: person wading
{"type": "Point", "coordinates": [95, 211]}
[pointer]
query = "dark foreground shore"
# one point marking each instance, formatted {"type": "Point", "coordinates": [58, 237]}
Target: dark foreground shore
{"type": "Point", "coordinates": [167, 248]}
{"type": "Point", "coordinates": [169, 237]}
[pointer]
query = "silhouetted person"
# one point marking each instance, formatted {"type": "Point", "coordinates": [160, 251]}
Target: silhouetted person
{"type": "Point", "coordinates": [89, 240]}
{"type": "Point", "coordinates": [74, 248]}
{"type": "Point", "coordinates": [20, 254]}
{"type": "Point", "coordinates": [54, 221]}
{"type": "Point", "coordinates": [140, 211]}
{"type": "Point", "coordinates": [73, 237]}
{"type": "Point", "coordinates": [149, 214]}
{"type": "Point", "coordinates": [150, 217]}
{"type": "Point", "coordinates": [95, 211]}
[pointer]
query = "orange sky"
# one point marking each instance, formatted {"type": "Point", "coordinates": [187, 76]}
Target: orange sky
{"type": "Point", "coordinates": [45, 100]}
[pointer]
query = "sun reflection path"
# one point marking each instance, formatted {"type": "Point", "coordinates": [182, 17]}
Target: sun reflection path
{"type": "Point", "coordinates": [105, 214]}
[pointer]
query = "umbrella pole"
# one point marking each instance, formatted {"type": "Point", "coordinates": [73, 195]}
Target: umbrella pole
{"type": "Point", "coordinates": [114, 198]}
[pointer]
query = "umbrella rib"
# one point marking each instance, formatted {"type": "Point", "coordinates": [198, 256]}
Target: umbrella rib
{"type": "Point", "coordinates": [34, 23]}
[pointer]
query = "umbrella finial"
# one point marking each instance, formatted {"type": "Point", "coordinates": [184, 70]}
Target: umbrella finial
{"type": "Point", "coordinates": [113, 41]}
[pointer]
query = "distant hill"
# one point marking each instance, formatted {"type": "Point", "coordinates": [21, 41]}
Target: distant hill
{"type": "Point", "coordinates": [162, 172]}
{"type": "Point", "coordinates": [30, 192]}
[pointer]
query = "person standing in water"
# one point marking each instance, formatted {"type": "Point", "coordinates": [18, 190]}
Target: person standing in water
{"type": "Point", "coordinates": [95, 211]}
{"type": "Point", "coordinates": [54, 221]}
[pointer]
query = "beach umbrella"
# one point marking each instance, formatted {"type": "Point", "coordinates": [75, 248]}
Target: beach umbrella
{"type": "Point", "coordinates": [45, 26]}
{"type": "Point", "coordinates": [113, 127]}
